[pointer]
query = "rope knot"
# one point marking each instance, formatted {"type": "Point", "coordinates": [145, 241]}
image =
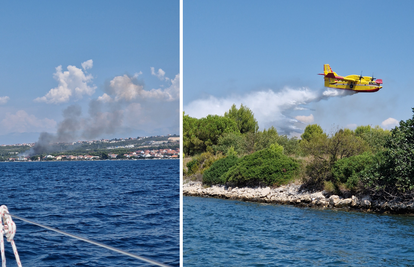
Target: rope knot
{"type": "Point", "coordinates": [9, 225]}
{"type": "Point", "coordinates": [9, 229]}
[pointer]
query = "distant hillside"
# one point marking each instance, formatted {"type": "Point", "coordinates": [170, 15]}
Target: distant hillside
{"type": "Point", "coordinates": [95, 147]}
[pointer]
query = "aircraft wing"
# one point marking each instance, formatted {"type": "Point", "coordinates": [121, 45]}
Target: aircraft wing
{"type": "Point", "coordinates": [350, 79]}
{"type": "Point", "coordinates": [331, 75]}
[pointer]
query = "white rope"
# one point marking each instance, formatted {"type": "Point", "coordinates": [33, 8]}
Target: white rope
{"type": "Point", "coordinates": [92, 242]}
{"type": "Point", "coordinates": [9, 229]}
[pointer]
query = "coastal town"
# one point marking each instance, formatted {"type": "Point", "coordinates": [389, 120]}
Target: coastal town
{"type": "Point", "coordinates": [139, 154]}
{"type": "Point", "coordinates": [149, 147]}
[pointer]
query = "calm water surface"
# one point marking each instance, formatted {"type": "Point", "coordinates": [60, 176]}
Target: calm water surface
{"type": "Point", "coordinates": [232, 233]}
{"type": "Point", "coordinates": [130, 205]}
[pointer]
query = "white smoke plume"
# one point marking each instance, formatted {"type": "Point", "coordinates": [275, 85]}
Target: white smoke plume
{"type": "Point", "coordinates": [75, 126]}
{"type": "Point", "coordinates": [270, 108]}
{"type": "Point", "coordinates": [125, 107]}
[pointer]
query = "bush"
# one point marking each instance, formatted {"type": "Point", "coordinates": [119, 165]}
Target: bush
{"type": "Point", "coordinates": [317, 172]}
{"type": "Point", "coordinates": [329, 187]}
{"type": "Point", "coordinates": [265, 167]}
{"type": "Point", "coordinates": [347, 170]}
{"type": "Point", "coordinates": [213, 175]}
{"type": "Point", "coordinates": [192, 166]}
{"type": "Point", "coordinates": [207, 159]}
{"type": "Point", "coordinates": [392, 174]}
{"type": "Point", "coordinates": [202, 162]}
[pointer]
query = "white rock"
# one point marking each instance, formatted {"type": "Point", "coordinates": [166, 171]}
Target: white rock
{"type": "Point", "coordinates": [355, 201]}
{"type": "Point", "coordinates": [317, 195]}
{"type": "Point", "coordinates": [265, 191]}
{"type": "Point", "coordinates": [333, 200]}
{"type": "Point", "coordinates": [344, 202]}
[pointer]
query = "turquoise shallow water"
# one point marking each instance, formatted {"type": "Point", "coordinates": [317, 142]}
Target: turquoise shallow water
{"type": "Point", "coordinates": [233, 233]}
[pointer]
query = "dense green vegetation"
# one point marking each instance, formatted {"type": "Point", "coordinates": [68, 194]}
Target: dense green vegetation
{"type": "Point", "coordinates": [236, 135]}
{"type": "Point", "coordinates": [237, 128]}
{"type": "Point", "coordinates": [347, 171]}
{"type": "Point", "coordinates": [201, 162]}
{"type": "Point", "coordinates": [244, 118]}
{"type": "Point", "coordinates": [214, 174]}
{"type": "Point", "coordinates": [201, 135]}
{"type": "Point", "coordinates": [267, 167]}
{"type": "Point", "coordinates": [365, 160]}
{"type": "Point", "coordinates": [392, 174]}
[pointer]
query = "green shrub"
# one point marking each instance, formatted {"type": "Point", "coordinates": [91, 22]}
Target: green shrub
{"type": "Point", "coordinates": [202, 162]}
{"type": "Point", "coordinates": [213, 175]}
{"type": "Point", "coordinates": [353, 182]}
{"type": "Point", "coordinates": [347, 170]}
{"type": "Point", "coordinates": [265, 167]}
{"type": "Point", "coordinates": [393, 171]}
{"type": "Point", "coordinates": [207, 159]}
{"type": "Point", "coordinates": [329, 187]}
{"type": "Point", "coordinates": [231, 152]}
{"type": "Point", "coordinates": [317, 172]}
{"type": "Point", "coordinates": [192, 166]}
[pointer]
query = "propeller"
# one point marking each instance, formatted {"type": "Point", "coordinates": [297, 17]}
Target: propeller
{"type": "Point", "coordinates": [372, 77]}
{"type": "Point", "coordinates": [360, 76]}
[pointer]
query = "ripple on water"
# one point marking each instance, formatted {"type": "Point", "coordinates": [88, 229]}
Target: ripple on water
{"type": "Point", "coordinates": [119, 203]}
{"type": "Point", "coordinates": [233, 233]}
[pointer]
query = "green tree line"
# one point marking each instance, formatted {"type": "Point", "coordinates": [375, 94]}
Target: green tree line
{"type": "Point", "coordinates": [231, 150]}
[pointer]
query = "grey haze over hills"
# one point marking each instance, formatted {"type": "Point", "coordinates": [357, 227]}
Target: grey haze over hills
{"type": "Point", "coordinates": [19, 138]}
{"type": "Point", "coordinates": [32, 137]}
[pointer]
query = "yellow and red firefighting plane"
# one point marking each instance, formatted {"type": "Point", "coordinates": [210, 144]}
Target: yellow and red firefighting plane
{"type": "Point", "coordinates": [357, 83]}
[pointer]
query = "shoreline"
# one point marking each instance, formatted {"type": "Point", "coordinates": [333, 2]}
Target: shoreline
{"type": "Point", "coordinates": [290, 195]}
{"type": "Point", "coordinates": [74, 160]}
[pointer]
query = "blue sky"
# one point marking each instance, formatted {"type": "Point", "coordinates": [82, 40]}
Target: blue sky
{"type": "Point", "coordinates": [95, 57]}
{"type": "Point", "coordinates": [267, 54]}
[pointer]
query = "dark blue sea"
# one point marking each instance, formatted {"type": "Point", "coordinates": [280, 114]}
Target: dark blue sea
{"type": "Point", "coordinates": [232, 233]}
{"type": "Point", "coordinates": [130, 205]}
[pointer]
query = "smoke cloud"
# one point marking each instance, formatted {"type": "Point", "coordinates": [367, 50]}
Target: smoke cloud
{"type": "Point", "coordinates": [124, 107]}
{"type": "Point", "coordinates": [75, 127]}
{"type": "Point", "coordinates": [270, 108]}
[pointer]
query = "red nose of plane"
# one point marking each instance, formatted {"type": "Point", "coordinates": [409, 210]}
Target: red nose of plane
{"type": "Point", "coordinates": [378, 81]}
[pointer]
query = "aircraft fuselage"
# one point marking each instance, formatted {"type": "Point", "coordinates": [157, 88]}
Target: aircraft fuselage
{"type": "Point", "coordinates": [359, 86]}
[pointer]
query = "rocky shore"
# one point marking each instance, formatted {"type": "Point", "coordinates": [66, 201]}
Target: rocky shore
{"type": "Point", "coordinates": [291, 195]}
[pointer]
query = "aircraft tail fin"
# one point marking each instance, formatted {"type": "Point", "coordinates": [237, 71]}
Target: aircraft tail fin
{"type": "Point", "coordinates": [328, 73]}
{"type": "Point", "coordinates": [327, 69]}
